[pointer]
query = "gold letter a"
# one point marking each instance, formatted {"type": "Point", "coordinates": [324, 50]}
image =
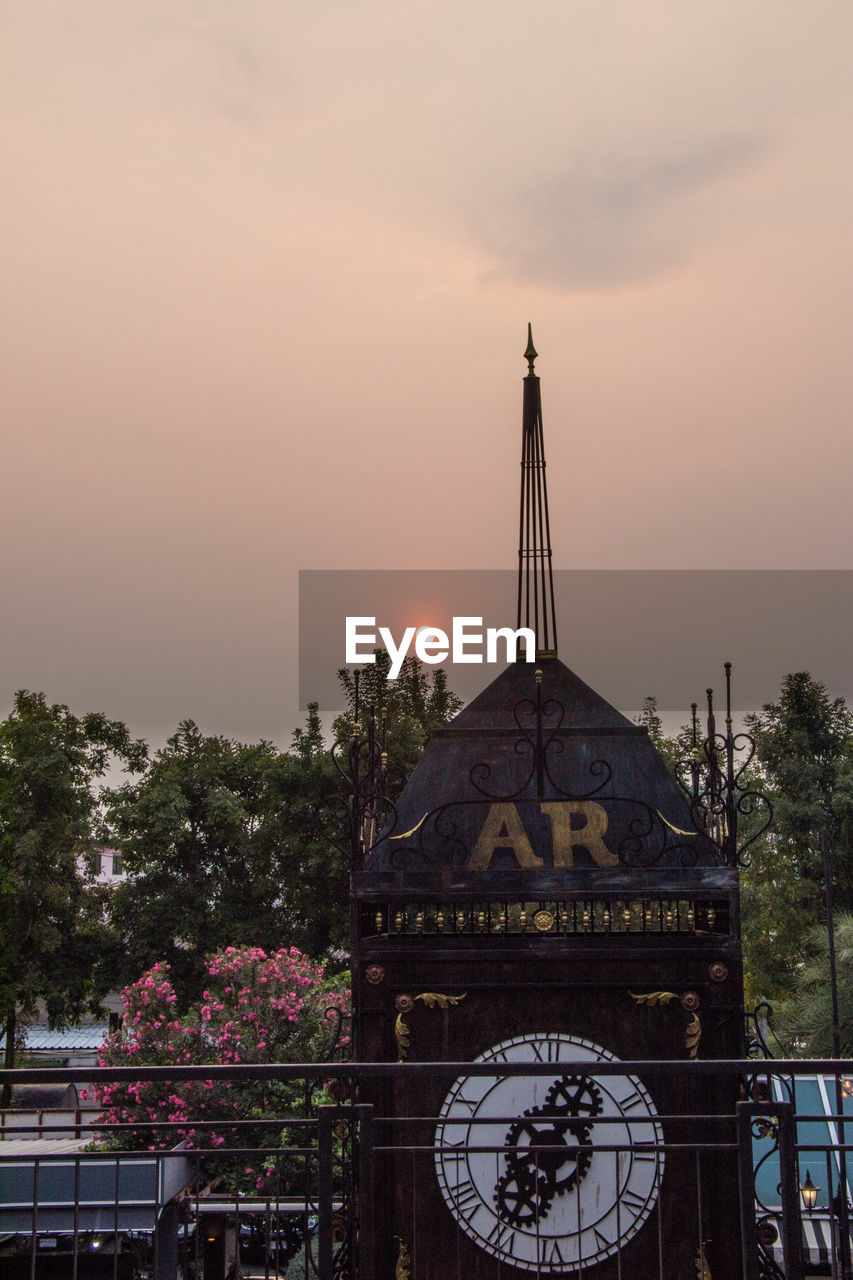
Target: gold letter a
{"type": "Point", "coordinates": [503, 830]}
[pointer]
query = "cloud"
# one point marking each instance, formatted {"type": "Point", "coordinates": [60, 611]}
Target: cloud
{"type": "Point", "coordinates": [603, 223]}
{"type": "Point", "coordinates": [166, 58]}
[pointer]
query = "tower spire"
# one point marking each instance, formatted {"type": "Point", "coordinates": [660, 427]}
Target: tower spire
{"type": "Point", "coordinates": [535, 575]}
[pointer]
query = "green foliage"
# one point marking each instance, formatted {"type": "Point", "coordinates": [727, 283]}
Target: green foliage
{"type": "Point", "coordinates": [804, 752]}
{"type": "Point", "coordinates": [304, 1262]}
{"type": "Point", "coordinates": [650, 719]}
{"type": "Point", "coordinates": [229, 844]}
{"type": "Point", "coordinates": [51, 913]}
{"type": "Point", "coordinates": [417, 703]}
{"type": "Point", "coordinates": [777, 908]}
{"type": "Point", "coordinates": [804, 743]}
{"type": "Point", "coordinates": [804, 1023]}
{"type": "Point", "coordinates": [308, 744]}
{"type": "Point", "coordinates": [221, 844]}
{"type": "Point", "coordinates": [804, 764]}
{"type": "Point", "coordinates": [306, 792]}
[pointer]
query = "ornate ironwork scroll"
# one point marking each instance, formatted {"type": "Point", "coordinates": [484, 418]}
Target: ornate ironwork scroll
{"type": "Point", "coordinates": [714, 777]}
{"type": "Point", "coordinates": [338, 1046]}
{"type": "Point", "coordinates": [766, 1127]}
{"type": "Point", "coordinates": [539, 721]}
{"type": "Point", "coordinates": [725, 808]}
{"type": "Point", "coordinates": [362, 764]}
{"type": "Point", "coordinates": [646, 835]}
{"type": "Point", "coordinates": [758, 1028]}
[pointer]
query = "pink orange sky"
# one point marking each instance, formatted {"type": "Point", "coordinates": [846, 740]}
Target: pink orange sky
{"type": "Point", "coordinates": [268, 270]}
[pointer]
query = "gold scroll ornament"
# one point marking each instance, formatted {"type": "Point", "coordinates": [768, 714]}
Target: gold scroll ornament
{"type": "Point", "coordinates": [689, 1003]}
{"type": "Point", "coordinates": [404, 1003]}
{"type": "Point", "coordinates": [403, 1269]}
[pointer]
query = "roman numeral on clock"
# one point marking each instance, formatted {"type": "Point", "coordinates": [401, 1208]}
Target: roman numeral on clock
{"type": "Point", "coordinates": [601, 1241]}
{"type": "Point", "coordinates": [470, 1103]}
{"type": "Point", "coordinates": [502, 1238]}
{"type": "Point", "coordinates": [550, 1251]}
{"type": "Point", "coordinates": [549, 1051]}
{"type": "Point", "coordinates": [466, 1198]}
{"type": "Point", "coordinates": [635, 1202]}
{"type": "Point", "coordinates": [456, 1157]}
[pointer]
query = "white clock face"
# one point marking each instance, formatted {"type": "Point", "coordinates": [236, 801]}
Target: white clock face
{"type": "Point", "coordinates": [561, 1206]}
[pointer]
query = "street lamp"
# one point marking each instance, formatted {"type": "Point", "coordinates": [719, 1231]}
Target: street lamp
{"type": "Point", "coordinates": [809, 1192]}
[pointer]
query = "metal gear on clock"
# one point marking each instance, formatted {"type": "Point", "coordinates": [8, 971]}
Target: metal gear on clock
{"type": "Point", "coordinates": [532, 1178]}
{"type": "Point", "coordinates": [522, 1195]}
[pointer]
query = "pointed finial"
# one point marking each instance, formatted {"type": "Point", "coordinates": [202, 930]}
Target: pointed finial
{"type": "Point", "coordinates": [531, 353]}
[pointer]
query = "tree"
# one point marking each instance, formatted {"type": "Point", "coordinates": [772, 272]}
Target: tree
{"type": "Point", "coordinates": [804, 750]}
{"type": "Point", "coordinates": [307, 791]}
{"type": "Point", "coordinates": [217, 844]}
{"type": "Point", "coordinates": [229, 844]}
{"type": "Point", "coordinates": [804, 1023]}
{"type": "Point", "coordinates": [51, 914]}
{"type": "Point", "coordinates": [256, 1008]}
{"type": "Point", "coordinates": [417, 703]}
{"type": "Point", "coordinates": [673, 750]}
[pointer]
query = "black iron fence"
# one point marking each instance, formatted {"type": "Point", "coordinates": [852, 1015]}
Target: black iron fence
{"type": "Point", "coordinates": [549, 1168]}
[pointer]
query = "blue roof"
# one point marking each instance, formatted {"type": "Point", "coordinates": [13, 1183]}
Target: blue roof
{"type": "Point", "coordinates": [812, 1096]}
{"type": "Point", "coordinates": [42, 1038]}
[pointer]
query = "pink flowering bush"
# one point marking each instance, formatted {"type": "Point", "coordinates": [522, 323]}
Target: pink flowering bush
{"type": "Point", "coordinates": [256, 1008]}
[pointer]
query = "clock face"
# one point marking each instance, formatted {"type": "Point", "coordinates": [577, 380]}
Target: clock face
{"type": "Point", "coordinates": [562, 1205]}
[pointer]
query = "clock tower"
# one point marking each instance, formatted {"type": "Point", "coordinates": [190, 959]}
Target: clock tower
{"type": "Point", "coordinates": [545, 894]}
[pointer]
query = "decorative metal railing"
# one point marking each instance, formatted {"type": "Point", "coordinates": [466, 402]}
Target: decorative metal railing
{"type": "Point", "coordinates": [304, 1193]}
{"type": "Point", "coordinates": [554, 917]}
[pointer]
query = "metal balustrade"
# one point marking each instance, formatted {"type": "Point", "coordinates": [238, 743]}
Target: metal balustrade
{"type": "Point", "coordinates": [311, 1191]}
{"type": "Point", "coordinates": [547, 917]}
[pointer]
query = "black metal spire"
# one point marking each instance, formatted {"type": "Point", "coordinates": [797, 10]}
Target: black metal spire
{"type": "Point", "coordinates": [535, 575]}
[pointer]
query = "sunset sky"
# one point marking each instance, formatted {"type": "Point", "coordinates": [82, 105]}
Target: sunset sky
{"type": "Point", "coordinates": [268, 269]}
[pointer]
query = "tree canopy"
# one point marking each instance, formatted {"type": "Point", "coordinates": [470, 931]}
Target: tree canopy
{"type": "Point", "coordinates": [649, 718]}
{"type": "Point", "coordinates": [803, 763]}
{"type": "Point", "coordinates": [232, 844]}
{"type": "Point", "coordinates": [51, 914]}
{"type": "Point", "coordinates": [804, 1024]}
{"type": "Point", "coordinates": [417, 703]}
{"type": "Point", "coordinates": [804, 755]}
{"type": "Point", "coordinates": [221, 845]}
{"type": "Point", "coordinates": [228, 844]}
